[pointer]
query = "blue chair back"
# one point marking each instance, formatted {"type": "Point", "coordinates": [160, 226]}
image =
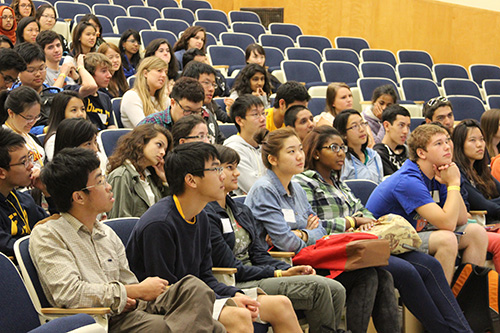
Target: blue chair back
{"type": "Point", "coordinates": [301, 71]}
{"type": "Point", "coordinates": [149, 13]}
{"type": "Point", "coordinates": [123, 23]}
{"type": "Point", "coordinates": [178, 14]}
{"type": "Point", "coordinates": [226, 55]}
{"type": "Point", "coordinates": [361, 188]}
{"type": "Point", "coordinates": [415, 56]}
{"type": "Point", "coordinates": [415, 89]}
{"type": "Point", "coordinates": [279, 41]}
{"type": "Point", "coordinates": [369, 84]}
{"type": "Point", "coordinates": [379, 55]}
{"type": "Point", "coordinates": [116, 103]}
{"type": "Point", "coordinates": [347, 55]}
{"type": "Point", "coordinates": [291, 30]}
{"type": "Point", "coordinates": [215, 28]}
{"type": "Point", "coordinates": [493, 102]}
{"type": "Point", "coordinates": [378, 69]}
{"type": "Point", "coordinates": [172, 25]}
{"type": "Point", "coordinates": [340, 71]}
{"type": "Point", "coordinates": [491, 87]}
{"type": "Point", "coordinates": [354, 43]}
{"type": "Point", "coordinates": [237, 39]}
{"type": "Point", "coordinates": [465, 107]}
{"type": "Point", "coordinates": [123, 227]}
{"type": "Point", "coordinates": [148, 36]}
{"type": "Point", "coordinates": [160, 4]}
{"type": "Point", "coordinates": [68, 10]}
{"type": "Point", "coordinates": [254, 29]}
{"type": "Point", "coordinates": [461, 87]}
{"type": "Point", "coordinates": [109, 138]}
{"type": "Point", "coordinates": [228, 130]}
{"type": "Point", "coordinates": [304, 53]}
{"type": "Point", "coordinates": [317, 105]}
{"type": "Point", "coordinates": [110, 11]}
{"type": "Point", "coordinates": [415, 122]}
{"type": "Point", "coordinates": [128, 3]}
{"type": "Point", "coordinates": [212, 15]}
{"type": "Point", "coordinates": [480, 73]}
{"type": "Point", "coordinates": [274, 57]}
{"type": "Point", "coordinates": [316, 42]}
{"type": "Point", "coordinates": [414, 70]}
{"type": "Point", "coordinates": [193, 5]}
{"type": "Point", "coordinates": [243, 16]}
{"type": "Point", "coordinates": [449, 71]}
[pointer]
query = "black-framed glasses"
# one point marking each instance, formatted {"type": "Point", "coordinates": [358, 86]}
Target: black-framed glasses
{"type": "Point", "coordinates": [356, 127]}
{"type": "Point", "coordinates": [30, 158]}
{"type": "Point", "coordinates": [435, 100]}
{"type": "Point", "coordinates": [258, 114]}
{"type": "Point", "coordinates": [218, 169]}
{"type": "Point", "coordinates": [8, 79]}
{"type": "Point", "coordinates": [101, 180]}
{"type": "Point", "coordinates": [132, 41]}
{"type": "Point", "coordinates": [40, 69]}
{"type": "Point", "coordinates": [202, 137]}
{"type": "Point", "coordinates": [189, 112]}
{"type": "Point", "coordinates": [336, 148]}
{"type": "Point", "coordinates": [31, 120]}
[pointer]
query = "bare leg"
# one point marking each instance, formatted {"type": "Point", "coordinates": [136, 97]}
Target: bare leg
{"type": "Point", "coordinates": [474, 243]}
{"type": "Point", "coordinates": [236, 319]}
{"type": "Point", "coordinates": [278, 311]}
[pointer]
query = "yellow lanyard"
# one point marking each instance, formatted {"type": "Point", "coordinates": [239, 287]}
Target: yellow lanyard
{"type": "Point", "coordinates": [24, 215]}
{"type": "Point", "coordinates": [37, 156]}
{"type": "Point", "coordinates": [179, 208]}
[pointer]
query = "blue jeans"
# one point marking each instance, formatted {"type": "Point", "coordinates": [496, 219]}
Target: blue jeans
{"type": "Point", "coordinates": [426, 293]}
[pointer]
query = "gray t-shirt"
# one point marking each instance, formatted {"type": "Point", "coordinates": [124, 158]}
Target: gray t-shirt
{"type": "Point", "coordinates": [52, 76]}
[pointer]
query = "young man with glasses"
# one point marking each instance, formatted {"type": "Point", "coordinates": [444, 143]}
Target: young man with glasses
{"type": "Point", "coordinates": [186, 98]}
{"type": "Point", "coordinates": [11, 64]}
{"type": "Point", "coordinates": [439, 110]}
{"type": "Point", "coordinates": [172, 240]}
{"type": "Point", "coordinates": [426, 192]}
{"type": "Point", "coordinates": [249, 117]}
{"type": "Point", "coordinates": [18, 211]}
{"type": "Point", "coordinates": [206, 75]}
{"type": "Point", "coordinates": [393, 150]}
{"type": "Point", "coordinates": [81, 262]}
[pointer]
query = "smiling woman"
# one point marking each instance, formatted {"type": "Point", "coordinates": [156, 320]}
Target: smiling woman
{"type": "Point", "coordinates": [253, 79]}
{"type": "Point", "coordinates": [135, 170]}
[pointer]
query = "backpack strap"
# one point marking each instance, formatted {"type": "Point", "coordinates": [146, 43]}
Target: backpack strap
{"type": "Point", "coordinates": [461, 279]}
{"type": "Point", "coordinates": [493, 300]}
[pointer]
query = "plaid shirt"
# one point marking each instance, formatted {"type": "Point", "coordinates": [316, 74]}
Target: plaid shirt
{"type": "Point", "coordinates": [330, 203]}
{"type": "Point", "coordinates": [162, 118]}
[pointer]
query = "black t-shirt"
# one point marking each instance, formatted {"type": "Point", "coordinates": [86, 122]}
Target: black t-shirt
{"type": "Point", "coordinates": [99, 108]}
{"type": "Point", "coordinates": [391, 161]}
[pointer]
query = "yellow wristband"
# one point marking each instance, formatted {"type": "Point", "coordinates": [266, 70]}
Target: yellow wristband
{"type": "Point", "coordinates": [63, 75]}
{"type": "Point", "coordinates": [279, 273]}
{"type": "Point", "coordinates": [352, 224]}
{"type": "Point", "coordinates": [453, 188]}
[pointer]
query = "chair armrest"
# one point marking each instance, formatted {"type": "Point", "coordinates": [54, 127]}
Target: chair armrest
{"type": "Point", "coordinates": [224, 270]}
{"type": "Point", "coordinates": [279, 254]}
{"type": "Point", "coordinates": [63, 311]}
{"type": "Point", "coordinates": [478, 212]}
{"type": "Point", "coordinates": [221, 67]}
{"type": "Point", "coordinates": [419, 102]}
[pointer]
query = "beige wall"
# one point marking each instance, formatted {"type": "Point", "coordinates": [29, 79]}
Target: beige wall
{"type": "Point", "coordinates": [451, 33]}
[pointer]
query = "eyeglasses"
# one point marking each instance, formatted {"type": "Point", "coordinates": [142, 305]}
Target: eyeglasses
{"type": "Point", "coordinates": [40, 69]}
{"type": "Point", "coordinates": [7, 78]}
{"type": "Point", "coordinates": [218, 169]}
{"type": "Point", "coordinates": [132, 41]}
{"type": "Point", "coordinates": [209, 84]}
{"type": "Point", "coordinates": [258, 114]}
{"type": "Point", "coordinates": [202, 137]}
{"type": "Point", "coordinates": [49, 17]}
{"type": "Point", "coordinates": [336, 148]}
{"type": "Point", "coordinates": [8, 18]}
{"type": "Point", "coordinates": [189, 112]}
{"type": "Point", "coordinates": [101, 181]}
{"type": "Point", "coordinates": [25, 5]}
{"type": "Point", "coordinates": [434, 101]}
{"type": "Point", "coordinates": [31, 120]}
{"type": "Point", "coordinates": [30, 158]}
{"type": "Point", "coordinates": [356, 127]}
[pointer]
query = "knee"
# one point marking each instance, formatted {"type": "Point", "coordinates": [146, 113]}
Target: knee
{"type": "Point", "coordinates": [236, 319]}
{"type": "Point", "coordinates": [476, 233]}
{"type": "Point", "coordinates": [444, 241]}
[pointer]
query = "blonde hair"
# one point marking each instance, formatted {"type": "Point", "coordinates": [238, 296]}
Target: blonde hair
{"type": "Point", "coordinates": [142, 89]}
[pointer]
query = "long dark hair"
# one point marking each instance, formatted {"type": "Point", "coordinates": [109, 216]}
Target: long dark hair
{"type": "Point", "coordinates": [58, 110]}
{"type": "Point", "coordinates": [21, 25]}
{"type": "Point", "coordinates": [77, 34]}
{"type": "Point", "coordinates": [242, 82]}
{"type": "Point", "coordinates": [136, 58]}
{"type": "Point", "coordinates": [314, 141]}
{"type": "Point", "coordinates": [479, 173]}
{"type": "Point", "coordinates": [340, 123]}
{"type": "Point", "coordinates": [172, 65]}
{"type": "Point", "coordinates": [73, 132]}
{"type": "Point", "coordinates": [118, 84]}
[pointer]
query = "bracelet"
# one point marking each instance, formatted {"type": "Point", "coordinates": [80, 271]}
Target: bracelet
{"type": "Point", "coordinates": [279, 273]}
{"type": "Point", "coordinates": [302, 235]}
{"type": "Point", "coordinates": [355, 221]}
{"type": "Point", "coordinates": [453, 188]}
{"type": "Point", "coordinates": [79, 68]}
{"type": "Point", "coordinates": [63, 75]}
{"type": "Point", "coordinates": [352, 224]}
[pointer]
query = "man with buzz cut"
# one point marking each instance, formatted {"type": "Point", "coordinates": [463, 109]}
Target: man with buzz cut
{"type": "Point", "coordinates": [393, 150]}
{"type": "Point", "coordinates": [426, 192]}
{"type": "Point", "coordinates": [81, 262]}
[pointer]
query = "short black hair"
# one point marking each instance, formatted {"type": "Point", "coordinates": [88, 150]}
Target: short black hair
{"type": "Point", "coordinates": [9, 141]}
{"type": "Point", "coordinates": [195, 68]}
{"type": "Point", "coordinates": [391, 112]}
{"type": "Point", "coordinates": [290, 92]}
{"type": "Point", "coordinates": [241, 106]}
{"type": "Point", "coordinates": [10, 59]}
{"type": "Point", "coordinates": [433, 104]}
{"type": "Point", "coordinates": [30, 52]}
{"type": "Point", "coordinates": [17, 100]}
{"type": "Point", "coordinates": [47, 37]}
{"type": "Point", "coordinates": [184, 126]}
{"type": "Point", "coordinates": [190, 54]}
{"type": "Point", "coordinates": [188, 88]}
{"type": "Point", "coordinates": [291, 114]}
{"type": "Point", "coordinates": [67, 173]}
{"type": "Point", "coordinates": [386, 89]}
{"type": "Point", "coordinates": [73, 132]}
{"type": "Point", "coordinates": [5, 39]}
{"type": "Point", "coordinates": [188, 158]}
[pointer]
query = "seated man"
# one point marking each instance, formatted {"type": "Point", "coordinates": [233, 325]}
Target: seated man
{"type": "Point", "coordinates": [82, 262]}
{"type": "Point", "coordinates": [426, 192]}
{"type": "Point", "coordinates": [186, 98]}
{"type": "Point", "coordinates": [288, 94]}
{"type": "Point", "coordinates": [18, 211]}
{"type": "Point", "coordinates": [172, 239]}
{"type": "Point", "coordinates": [249, 117]}
{"type": "Point", "coordinates": [11, 64]}
{"type": "Point", "coordinates": [393, 150]}
{"type": "Point", "coordinates": [52, 46]}
{"type": "Point", "coordinates": [440, 110]}
{"type": "Point", "coordinates": [95, 75]}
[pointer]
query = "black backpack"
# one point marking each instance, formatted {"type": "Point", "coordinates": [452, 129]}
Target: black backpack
{"type": "Point", "coordinates": [47, 95]}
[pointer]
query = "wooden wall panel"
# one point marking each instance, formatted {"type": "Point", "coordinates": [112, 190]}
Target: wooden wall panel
{"type": "Point", "coordinates": [451, 33]}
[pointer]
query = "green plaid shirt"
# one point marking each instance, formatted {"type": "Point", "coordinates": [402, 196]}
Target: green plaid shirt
{"type": "Point", "coordinates": [330, 203]}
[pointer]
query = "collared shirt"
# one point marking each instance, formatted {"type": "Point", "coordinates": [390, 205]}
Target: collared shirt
{"type": "Point", "coordinates": [162, 118]}
{"type": "Point", "coordinates": [332, 203]}
{"type": "Point", "coordinates": [78, 267]}
{"type": "Point", "coordinates": [278, 213]}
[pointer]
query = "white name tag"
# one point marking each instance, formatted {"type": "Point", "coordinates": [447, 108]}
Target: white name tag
{"type": "Point", "coordinates": [435, 196]}
{"type": "Point", "coordinates": [226, 226]}
{"type": "Point", "coordinates": [289, 215]}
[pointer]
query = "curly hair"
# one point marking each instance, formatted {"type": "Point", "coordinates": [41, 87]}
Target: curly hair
{"type": "Point", "coordinates": [15, 6]}
{"type": "Point", "coordinates": [242, 83]}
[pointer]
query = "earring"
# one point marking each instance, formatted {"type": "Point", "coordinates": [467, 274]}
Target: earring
{"type": "Point", "coordinates": [316, 157]}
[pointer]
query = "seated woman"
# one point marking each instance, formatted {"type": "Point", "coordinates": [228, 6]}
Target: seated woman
{"type": "Point", "coordinates": [255, 54]}
{"type": "Point", "coordinates": [283, 213]}
{"type": "Point", "coordinates": [190, 129]}
{"type": "Point", "coordinates": [66, 104]}
{"type": "Point", "coordinates": [8, 23]}
{"type": "Point", "coordinates": [129, 44]}
{"type": "Point", "coordinates": [382, 97]}
{"type": "Point", "coordinates": [192, 37]}
{"type": "Point", "coordinates": [94, 20]}
{"type": "Point", "coordinates": [361, 162]}
{"type": "Point", "coordinates": [118, 84]}
{"type": "Point", "coordinates": [46, 17]}
{"type": "Point", "coordinates": [490, 121]}
{"type": "Point", "coordinates": [161, 48]}
{"type": "Point", "coordinates": [76, 132]}
{"type": "Point", "coordinates": [253, 79]}
{"type": "Point", "coordinates": [83, 42]}
{"type": "Point", "coordinates": [338, 99]}
{"type": "Point", "coordinates": [148, 94]}
{"type": "Point", "coordinates": [301, 119]}
{"type": "Point", "coordinates": [135, 170]}
{"type": "Point", "coordinates": [235, 244]}
{"type": "Point", "coordinates": [23, 8]}
{"type": "Point", "coordinates": [418, 276]}
{"type": "Point", "coordinates": [27, 30]}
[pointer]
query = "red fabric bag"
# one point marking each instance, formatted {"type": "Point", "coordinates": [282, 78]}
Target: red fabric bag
{"type": "Point", "coordinates": [345, 252]}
